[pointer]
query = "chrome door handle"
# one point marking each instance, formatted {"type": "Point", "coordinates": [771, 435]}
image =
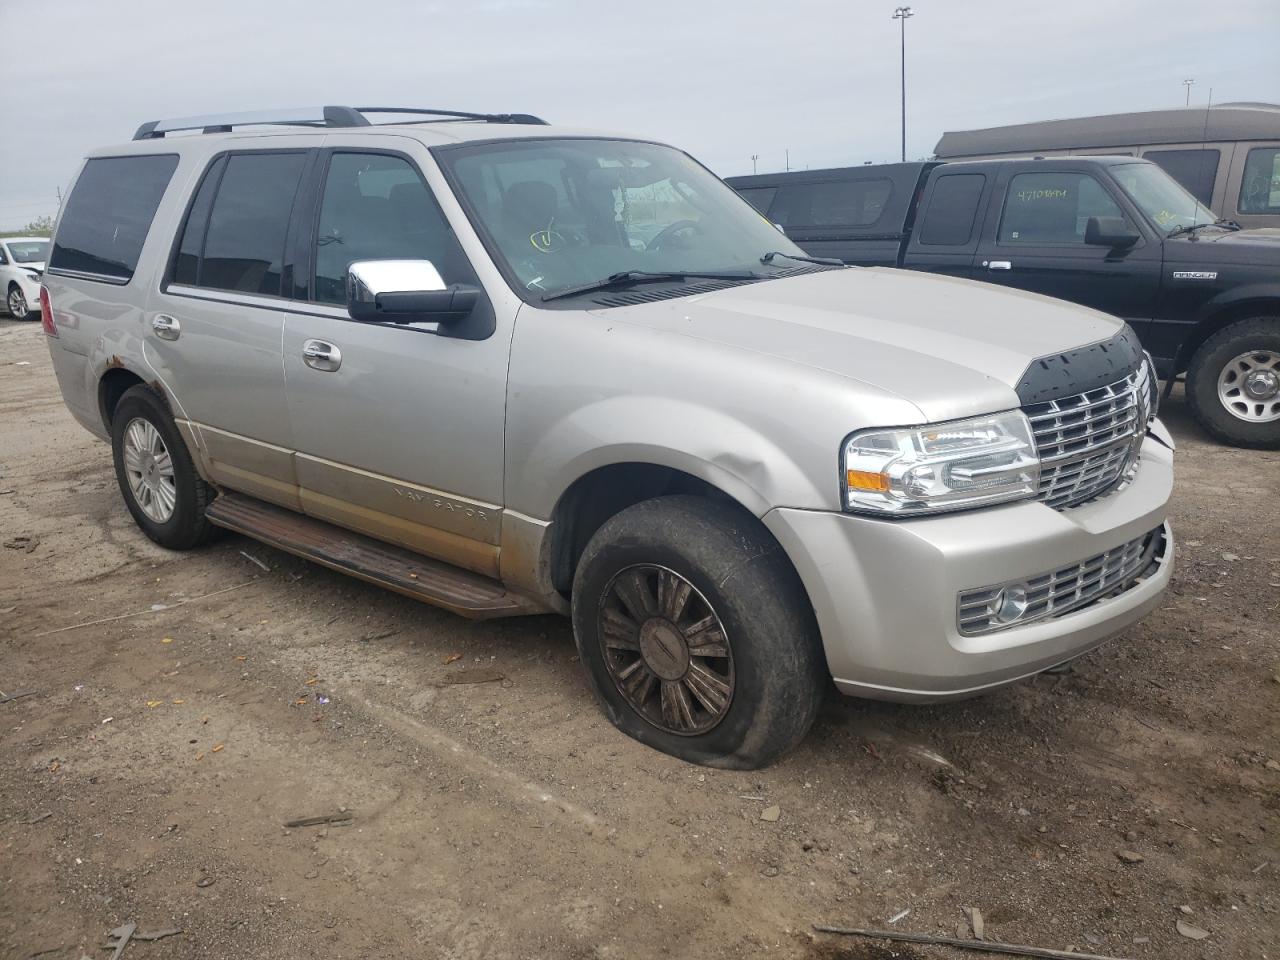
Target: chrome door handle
{"type": "Point", "coordinates": [997, 264]}
{"type": "Point", "coordinates": [166, 327]}
{"type": "Point", "coordinates": [320, 355]}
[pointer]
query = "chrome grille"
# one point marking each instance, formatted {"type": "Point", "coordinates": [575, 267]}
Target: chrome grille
{"type": "Point", "coordinates": [1088, 441]}
{"type": "Point", "coordinates": [1069, 588]}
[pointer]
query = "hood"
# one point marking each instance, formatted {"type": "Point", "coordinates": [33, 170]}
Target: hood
{"type": "Point", "coordinates": [952, 347]}
{"type": "Point", "coordinates": [1260, 247]}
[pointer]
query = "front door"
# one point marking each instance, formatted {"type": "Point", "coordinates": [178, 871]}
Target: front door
{"type": "Point", "coordinates": [398, 428]}
{"type": "Point", "coordinates": [215, 325]}
{"type": "Point", "coordinates": [1034, 240]}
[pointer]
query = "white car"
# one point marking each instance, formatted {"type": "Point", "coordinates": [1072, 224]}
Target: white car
{"type": "Point", "coordinates": [21, 267]}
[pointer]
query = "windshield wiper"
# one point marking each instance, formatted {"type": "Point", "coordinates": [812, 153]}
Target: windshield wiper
{"type": "Point", "coordinates": [628, 277]}
{"type": "Point", "coordinates": [825, 261]}
{"type": "Point", "coordinates": [1193, 227]}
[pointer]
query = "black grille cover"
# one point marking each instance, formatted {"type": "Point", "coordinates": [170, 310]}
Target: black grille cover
{"type": "Point", "coordinates": [1082, 369]}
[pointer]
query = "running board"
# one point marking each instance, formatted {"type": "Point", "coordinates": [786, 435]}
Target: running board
{"type": "Point", "coordinates": [431, 581]}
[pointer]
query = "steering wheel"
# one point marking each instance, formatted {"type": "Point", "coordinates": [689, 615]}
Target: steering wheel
{"type": "Point", "coordinates": [669, 231]}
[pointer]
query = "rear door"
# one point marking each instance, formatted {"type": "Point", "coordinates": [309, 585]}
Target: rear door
{"type": "Point", "coordinates": [1033, 239]}
{"type": "Point", "coordinates": [216, 322]}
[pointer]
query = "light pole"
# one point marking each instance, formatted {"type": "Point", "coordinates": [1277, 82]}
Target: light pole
{"type": "Point", "coordinates": [1187, 83]}
{"type": "Point", "coordinates": [901, 14]}
{"type": "Point", "coordinates": [754, 158]}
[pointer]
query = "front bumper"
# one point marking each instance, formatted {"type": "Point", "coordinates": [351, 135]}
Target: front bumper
{"type": "Point", "coordinates": [885, 592]}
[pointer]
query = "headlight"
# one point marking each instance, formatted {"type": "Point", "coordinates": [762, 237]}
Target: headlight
{"type": "Point", "coordinates": [1153, 385]}
{"type": "Point", "coordinates": [940, 467]}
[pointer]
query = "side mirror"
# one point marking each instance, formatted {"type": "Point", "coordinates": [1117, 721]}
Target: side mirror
{"type": "Point", "coordinates": [405, 291]}
{"type": "Point", "coordinates": [1110, 232]}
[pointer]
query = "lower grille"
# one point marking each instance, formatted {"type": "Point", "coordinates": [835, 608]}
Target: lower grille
{"type": "Point", "coordinates": [1069, 588]}
{"type": "Point", "coordinates": [1087, 442]}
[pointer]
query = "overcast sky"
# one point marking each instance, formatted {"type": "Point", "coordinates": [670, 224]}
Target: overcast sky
{"type": "Point", "coordinates": [724, 80]}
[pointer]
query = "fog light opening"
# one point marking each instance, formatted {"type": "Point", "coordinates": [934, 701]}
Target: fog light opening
{"type": "Point", "coordinates": [1010, 604]}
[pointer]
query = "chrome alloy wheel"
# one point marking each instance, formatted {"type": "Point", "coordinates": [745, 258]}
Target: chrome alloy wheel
{"type": "Point", "coordinates": [1249, 386]}
{"type": "Point", "coordinates": [17, 304]}
{"type": "Point", "coordinates": [149, 468]}
{"type": "Point", "coordinates": [666, 650]}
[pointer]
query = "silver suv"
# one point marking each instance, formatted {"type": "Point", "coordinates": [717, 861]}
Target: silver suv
{"type": "Point", "coordinates": [508, 368]}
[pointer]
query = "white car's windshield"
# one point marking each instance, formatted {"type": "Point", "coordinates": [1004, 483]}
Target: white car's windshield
{"type": "Point", "coordinates": [28, 251]}
{"type": "Point", "coordinates": [565, 213]}
{"type": "Point", "coordinates": [1161, 198]}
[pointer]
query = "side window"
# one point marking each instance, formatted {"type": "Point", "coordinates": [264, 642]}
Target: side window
{"type": "Point", "coordinates": [377, 207]}
{"type": "Point", "coordinates": [4, 259]}
{"type": "Point", "coordinates": [1260, 187]}
{"type": "Point", "coordinates": [953, 207]}
{"type": "Point", "coordinates": [758, 197]}
{"type": "Point", "coordinates": [246, 225]}
{"type": "Point", "coordinates": [837, 203]}
{"type": "Point", "coordinates": [1053, 207]}
{"type": "Point", "coordinates": [1194, 169]}
{"type": "Point", "coordinates": [109, 214]}
{"type": "Point", "coordinates": [186, 268]}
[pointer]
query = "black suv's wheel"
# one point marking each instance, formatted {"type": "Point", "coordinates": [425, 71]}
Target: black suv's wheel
{"type": "Point", "coordinates": [1233, 384]}
{"type": "Point", "coordinates": [16, 302]}
{"type": "Point", "coordinates": [157, 478]}
{"type": "Point", "coordinates": [696, 633]}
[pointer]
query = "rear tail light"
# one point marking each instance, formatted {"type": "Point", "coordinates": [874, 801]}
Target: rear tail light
{"type": "Point", "coordinates": [46, 313]}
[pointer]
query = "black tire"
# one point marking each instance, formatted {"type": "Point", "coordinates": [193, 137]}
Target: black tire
{"type": "Point", "coordinates": [778, 671]}
{"type": "Point", "coordinates": [186, 527]}
{"type": "Point", "coordinates": [1256, 333]}
{"type": "Point", "coordinates": [17, 314]}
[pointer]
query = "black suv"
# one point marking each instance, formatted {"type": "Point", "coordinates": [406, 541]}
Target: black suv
{"type": "Point", "coordinates": [1113, 233]}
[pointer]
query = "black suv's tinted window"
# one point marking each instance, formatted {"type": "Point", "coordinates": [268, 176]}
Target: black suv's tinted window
{"type": "Point", "coordinates": [953, 206]}
{"type": "Point", "coordinates": [1053, 207]}
{"type": "Point", "coordinates": [377, 207]}
{"type": "Point", "coordinates": [244, 241]}
{"type": "Point", "coordinates": [835, 203]}
{"type": "Point", "coordinates": [109, 214]}
{"type": "Point", "coordinates": [758, 197]}
{"type": "Point", "coordinates": [1194, 169]}
{"type": "Point", "coordinates": [1260, 186]}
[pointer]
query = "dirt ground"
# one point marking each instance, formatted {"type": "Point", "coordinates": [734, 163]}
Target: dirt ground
{"type": "Point", "coordinates": [494, 811]}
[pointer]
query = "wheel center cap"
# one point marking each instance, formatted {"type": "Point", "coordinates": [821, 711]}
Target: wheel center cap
{"type": "Point", "coordinates": [1262, 384]}
{"type": "Point", "coordinates": [663, 648]}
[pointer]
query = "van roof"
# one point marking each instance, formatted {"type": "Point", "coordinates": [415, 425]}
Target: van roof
{"type": "Point", "coordinates": [1227, 121]}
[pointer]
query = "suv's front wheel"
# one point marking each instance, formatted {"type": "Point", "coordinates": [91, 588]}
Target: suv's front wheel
{"type": "Point", "coordinates": [1233, 384]}
{"type": "Point", "coordinates": [160, 485]}
{"type": "Point", "coordinates": [696, 633]}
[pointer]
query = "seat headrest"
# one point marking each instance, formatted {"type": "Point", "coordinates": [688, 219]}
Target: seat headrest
{"type": "Point", "coordinates": [530, 204]}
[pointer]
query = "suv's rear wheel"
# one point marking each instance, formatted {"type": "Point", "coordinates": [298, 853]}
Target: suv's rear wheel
{"type": "Point", "coordinates": [696, 633]}
{"type": "Point", "coordinates": [1233, 384]}
{"type": "Point", "coordinates": [157, 478]}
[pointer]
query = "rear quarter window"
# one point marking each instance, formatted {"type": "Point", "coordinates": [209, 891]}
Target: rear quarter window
{"type": "Point", "coordinates": [109, 214]}
{"type": "Point", "coordinates": [1260, 186]}
{"type": "Point", "coordinates": [952, 209]}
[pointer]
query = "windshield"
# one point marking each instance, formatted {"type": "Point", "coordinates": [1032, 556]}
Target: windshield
{"type": "Point", "coordinates": [33, 251]}
{"type": "Point", "coordinates": [564, 213]}
{"type": "Point", "coordinates": [1160, 197]}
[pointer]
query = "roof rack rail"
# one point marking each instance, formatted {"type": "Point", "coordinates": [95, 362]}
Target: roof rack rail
{"type": "Point", "coordinates": [459, 115]}
{"type": "Point", "coordinates": [330, 116]}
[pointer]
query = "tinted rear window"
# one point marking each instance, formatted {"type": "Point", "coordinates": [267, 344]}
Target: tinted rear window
{"type": "Point", "coordinates": [833, 203]}
{"type": "Point", "coordinates": [109, 214]}
{"type": "Point", "coordinates": [758, 197]}
{"type": "Point", "coordinates": [244, 241]}
{"type": "Point", "coordinates": [1194, 169]}
{"type": "Point", "coordinates": [953, 206]}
